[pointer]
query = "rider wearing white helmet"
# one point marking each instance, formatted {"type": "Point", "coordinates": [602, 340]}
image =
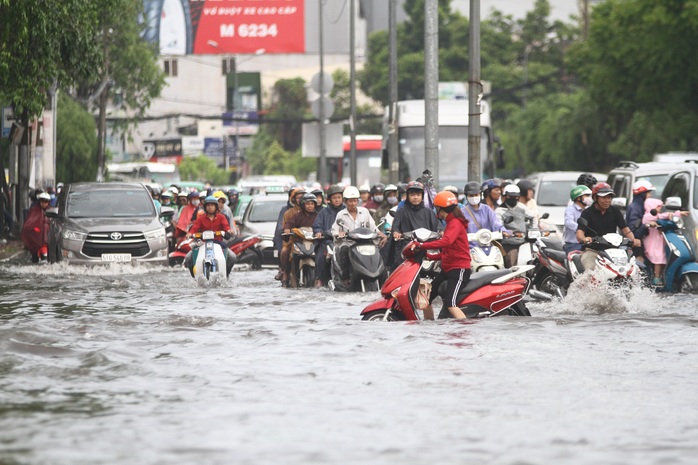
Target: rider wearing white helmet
{"type": "Point", "coordinates": [642, 189]}
{"type": "Point", "coordinates": [512, 208]}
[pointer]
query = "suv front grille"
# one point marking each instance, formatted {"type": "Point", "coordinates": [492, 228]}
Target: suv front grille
{"type": "Point", "coordinates": [130, 242]}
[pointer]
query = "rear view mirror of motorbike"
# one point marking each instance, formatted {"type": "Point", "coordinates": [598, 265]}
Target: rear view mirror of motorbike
{"type": "Point", "coordinates": [545, 216]}
{"type": "Point", "coordinates": [582, 222]}
{"type": "Point", "coordinates": [423, 234]}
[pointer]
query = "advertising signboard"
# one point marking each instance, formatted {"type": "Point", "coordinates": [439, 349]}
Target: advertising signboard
{"type": "Point", "coordinates": [236, 26]}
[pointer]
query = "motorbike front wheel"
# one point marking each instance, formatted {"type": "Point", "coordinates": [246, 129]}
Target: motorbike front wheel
{"type": "Point", "coordinates": [689, 283]}
{"type": "Point", "coordinates": [550, 285]}
{"type": "Point", "coordinates": [519, 309]}
{"type": "Point", "coordinates": [379, 315]}
{"type": "Point", "coordinates": [308, 276]}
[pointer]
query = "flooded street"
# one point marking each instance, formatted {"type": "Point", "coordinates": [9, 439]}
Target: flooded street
{"type": "Point", "coordinates": [127, 365]}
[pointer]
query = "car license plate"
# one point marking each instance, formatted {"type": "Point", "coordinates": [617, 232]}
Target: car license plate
{"type": "Point", "coordinates": [116, 257]}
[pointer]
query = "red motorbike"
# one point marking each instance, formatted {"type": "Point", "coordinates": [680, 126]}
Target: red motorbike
{"type": "Point", "coordinates": [244, 248]}
{"type": "Point", "coordinates": [487, 294]}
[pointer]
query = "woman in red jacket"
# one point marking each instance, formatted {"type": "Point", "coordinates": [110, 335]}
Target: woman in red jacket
{"type": "Point", "coordinates": [455, 254]}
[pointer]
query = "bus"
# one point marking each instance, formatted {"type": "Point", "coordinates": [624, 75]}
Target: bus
{"type": "Point", "coordinates": [164, 174]}
{"type": "Point", "coordinates": [369, 154]}
{"type": "Point", "coordinates": [453, 141]}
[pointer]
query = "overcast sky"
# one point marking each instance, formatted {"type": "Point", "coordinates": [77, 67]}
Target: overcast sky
{"type": "Point", "coordinates": [560, 9]}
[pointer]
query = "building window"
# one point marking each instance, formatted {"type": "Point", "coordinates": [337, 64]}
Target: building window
{"type": "Point", "coordinates": [228, 65]}
{"type": "Point", "coordinates": [170, 67]}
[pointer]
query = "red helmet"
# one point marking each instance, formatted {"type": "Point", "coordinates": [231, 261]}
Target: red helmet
{"type": "Point", "coordinates": [641, 186]}
{"type": "Point", "coordinates": [602, 189]}
{"type": "Point", "coordinates": [445, 199]}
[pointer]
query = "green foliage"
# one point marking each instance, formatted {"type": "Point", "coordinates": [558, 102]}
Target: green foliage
{"type": "Point", "coordinates": [289, 107]}
{"type": "Point", "coordinates": [76, 140]}
{"type": "Point", "coordinates": [369, 118]}
{"type": "Point", "coordinates": [203, 169]}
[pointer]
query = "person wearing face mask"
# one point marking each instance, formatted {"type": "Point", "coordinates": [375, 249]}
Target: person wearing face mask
{"type": "Point", "coordinates": [511, 207]}
{"type": "Point", "coordinates": [388, 200]}
{"type": "Point", "coordinates": [581, 200]}
{"type": "Point", "coordinates": [185, 220]}
{"type": "Point", "coordinates": [642, 190]}
{"type": "Point", "coordinates": [376, 198]}
{"type": "Point", "coordinates": [323, 223]}
{"type": "Point", "coordinates": [478, 214]}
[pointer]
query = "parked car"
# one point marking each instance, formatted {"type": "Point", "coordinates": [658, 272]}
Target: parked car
{"type": "Point", "coordinates": [260, 217]}
{"type": "Point", "coordinates": [552, 193]}
{"type": "Point", "coordinates": [106, 222]}
{"type": "Point", "coordinates": [622, 177]}
{"type": "Point", "coordinates": [683, 183]}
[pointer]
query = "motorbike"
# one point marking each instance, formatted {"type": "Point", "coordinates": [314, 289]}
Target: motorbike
{"type": "Point", "coordinates": [615, 262]}
{"type": "Point", "coordinates": [209, 263]}
{"type": "Point", "coordinates": [303, 258]}
{"type": "Point", "coordinates": [247, 252]}
{"type": "Point", "coordinates": [485, 251]}
{"type": "Point", "coordinates": [487, 294]}
{"type": "Point", "coordinates": [681, 272]}
{"type": "Point", "coordinates": [367, 271]}
{"type": "Point", "coordinates": [551, 275]}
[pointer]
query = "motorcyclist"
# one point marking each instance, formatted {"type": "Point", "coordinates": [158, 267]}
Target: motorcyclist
{"type": "Point", "coordinates": [319, 195]}
{"type": "Point", "coordinates": [492, 193]}
{"type": "Point", "coordinates": [602, 218]}
{"type": "Point", "coordinates": [233, 200]}
{"type": "Point", "coordinates": [323, 222]}
{"type": "Point", "coordinates": [376, 197]}
{"type": "Point", "coordinates": [478, 214]}
{"type": "Point", "coordinates": [278, 231]}
{"type": "Point", "coordinates": [527, 189]}
{"type": "Point", "coordinates": [211, 220]}
{"type": "Point", "coordinates": [166, 198]}
{"type": "Point", "coordinates": [511, 207]}
{"type": "Point", "coordinates": [413, 215]}
{"type": "Point", "coordinates": [642, 189]}
{"type": "Point", "coordinates": [184, 220]}
{"type": "Point", "coordinates": [35, 229]}
{"type": "Point", "coordinates": [455, 254]}
{"type": "Point", "coordinates": [389, 200]}
{"type": "Point", "coordinates": [305, 218]}
{"type": "Point", "coordinates": [347, 220]}
{"type": "Point", "coordinates": [586, 179]}
{"type": "Point", "coordinates": [581, 199]}
{"type": "Point", "coordinates": [454, 191]}
{"type": "Point", "coordinates": [365, 193]}
{"type": "Point", "coordinates": [285, 257]}
{"type": "Point", "coordinates": [222, 207]}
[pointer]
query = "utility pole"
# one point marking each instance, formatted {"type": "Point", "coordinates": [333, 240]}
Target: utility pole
{"type": "Point", "coordinates": [431, 87]}
{"type": "Point", "coordinates": [322, 163]}
{"type": "Point", "coordinates": [474, 95]}
{"type": "Point", "coordinates": [352, 89]}
{"type": "Point", "coordinates": [393, 143]}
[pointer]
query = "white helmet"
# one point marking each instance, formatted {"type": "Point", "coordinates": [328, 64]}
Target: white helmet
{"type": "Point", "coordinates": [511, 189]}
{"type": "Point", "coordinates": [351, 192]}
{"type": "Point", "coordinates": [642, 186]}
{"type": "Point", "coordinates": [43, 196]}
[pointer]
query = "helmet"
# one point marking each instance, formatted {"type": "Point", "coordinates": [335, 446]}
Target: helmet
{"type": "Point", "coordinates": [219, 195]}
{"type": "Point", "coordinates": [390, 188]}
{"type": "Point", "coordinates": [445, 199]}
{"type": "Point", "coordinates": [174, 190]}
{"type": "Point", "coordinates": [586, 179]}
{"type": "Point", "coordinates": [167, 194]}
{"type": "Point", "coordinates": [193, 194]}
{"type": "Point", "coordinates": [525, 185]}
{"type": "Point", "coordinates": [211, 199]}
{"type": "Point", "coordinates": [351, 192]}
{"type": "Point", "coordinates": [317, 191]}
{"type": "Point", "coordinates": [233, 191]}
{"type": "Point", "coordinates": [309, 197]}
{"type": "Point", "coordinates": [295, 191]}
{"type": "Point", "coordinates": [415, 186]}
{"type": "Point", "coordinates": [364, 188]}
{"type": "Point", "coordinates": [578, 191]}
{"type": "Point", "coordinates": [602, 189]}
{"type": "Point", "coordinates": [642, 186]}
{"type": "Point", "coordinates": [377, 188]}
{"type": "Point", "coordinates": [511, 190]}
{"type": "Point", "coordinates": [472, 188]}
{"type": "Point", "coordinates": [490, 184]}
{"type": "Point", "coordinates": [157, 190]}
{"type": "Point", "coordinates": [453, 189]}
{"type": "Point", "coordinates": [334, 189]}
{"type": "Point", "coordinates": [43, 196]}
{"type": "Point", "coordinates": [182, 194]}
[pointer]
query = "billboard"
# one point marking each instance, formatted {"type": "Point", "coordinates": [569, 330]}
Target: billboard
{"type": "Point", "coordinates": [183, 27]}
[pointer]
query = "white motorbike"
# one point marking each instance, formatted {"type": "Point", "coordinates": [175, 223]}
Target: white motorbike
{"type": "Point", "coordinates": [209, 266]}
{"type": "Point", "coordinates": [615, 261]}
{"type": "Point", "coordinates": [486, 253]}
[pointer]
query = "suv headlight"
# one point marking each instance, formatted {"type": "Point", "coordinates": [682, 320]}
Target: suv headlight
{"type": "Point", "coordinates": [155, 234]}
{"type": "Point", "coordinates": [74, 235]}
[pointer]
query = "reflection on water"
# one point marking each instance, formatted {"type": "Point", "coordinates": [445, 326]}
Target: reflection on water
{"type": "Point", "coordinates": [123, 365]}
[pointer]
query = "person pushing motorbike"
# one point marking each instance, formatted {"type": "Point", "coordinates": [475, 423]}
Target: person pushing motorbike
{"type": "Point", "coordinates": [455, 255]}
{"type": "Point", "coordinates": [602, 218]}
{"type": "Point", "coordinates": [211, 220]}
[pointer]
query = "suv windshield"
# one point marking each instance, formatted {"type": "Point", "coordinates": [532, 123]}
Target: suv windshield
{"type": "Point", "coordinates": [105, 203]}
{"type": "Point", "coordinates": [264, 212]}
{"type": "Point", "coordinates": [554, 193]}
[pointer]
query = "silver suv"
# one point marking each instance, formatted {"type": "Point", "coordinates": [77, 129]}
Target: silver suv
{"type": "Point", "coordinates": [622, 178]}
{"type": "Point", "coordinates": [683, 183]}
{"type": "Point", "coordinates": [106, 222]}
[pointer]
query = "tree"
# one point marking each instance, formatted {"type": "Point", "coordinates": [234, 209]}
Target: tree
{"type": "Point", "coordinates": [76, 142]}
{"type": "Point", "coordinates": [289, 108]}
{"type": "Point", "coordinates": [202, 168]}
{"type": "Point", "coordinates": [369, 119]}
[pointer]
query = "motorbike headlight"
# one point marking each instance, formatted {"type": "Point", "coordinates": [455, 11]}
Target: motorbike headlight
{"type": "Point", "coordinates": [395, 292]}
{"type": "Point", "coordinates": [485, 237]}
{"type": "Point", "coordinates": [155, 234]}
{"type": "Point", "coordinates": [366, 249]}
{"type": "Point", "coordinates": [74, 235]}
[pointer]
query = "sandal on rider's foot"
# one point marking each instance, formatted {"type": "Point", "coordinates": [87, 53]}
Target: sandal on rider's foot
{"type": "Point", "coordinates": [659, 282]}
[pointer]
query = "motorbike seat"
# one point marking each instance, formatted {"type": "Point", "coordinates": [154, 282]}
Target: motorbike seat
{"type": "Point", "coordinates": [557, 255]}
{"type": "Point", "coordinates": [477, 280]}
{"type": "Point", "coordinates": [552, 243]}
{"type": "Point", "coordinates": [577, 260]}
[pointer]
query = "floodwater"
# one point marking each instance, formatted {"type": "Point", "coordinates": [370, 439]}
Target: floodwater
{"type": "Point", "coordinates": [132, 365]}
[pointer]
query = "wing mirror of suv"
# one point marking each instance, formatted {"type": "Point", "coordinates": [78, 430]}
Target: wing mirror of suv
{"type": "Point", "coordinates": [620, 202]}
{"type": "Point", "coordinates": [52, 212]}
{"type": "Point", "coordinates": [166, 211]}
{"type": "Point", "coordinates": [673, 203]}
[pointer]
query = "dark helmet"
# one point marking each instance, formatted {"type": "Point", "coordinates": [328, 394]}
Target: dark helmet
{"type": "Point", "coordinates": [317, 191]}
{"type": "Point", "coordinates": [309, 197]}
{"type": "Point", "coordinates": [586, 179]}
{"type": "Point", "coordinates": [334, 189]}
{"type": "Point", "coordinates": [525, 185]}
{"type": "Point", "coordinates": [193, 194]}
{"type": "Point", "coordinates": [233, 191]}
{"type": "Point", "coordinates": [377, 188]}
{"type": "Point", "coordinates": [490, 184]}
{"type": "Point", "coordinates": [472, 188]}
{"type": "Point", "coordinates": [415, 186]}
